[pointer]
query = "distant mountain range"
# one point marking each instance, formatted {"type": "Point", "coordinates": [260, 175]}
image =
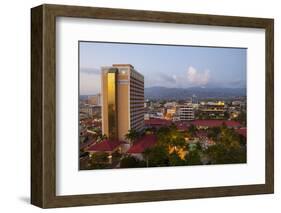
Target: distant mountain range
{"type": "Point", "coordinates": [200, 92]}
{"type": "Point", "coordinates": [157, 93]}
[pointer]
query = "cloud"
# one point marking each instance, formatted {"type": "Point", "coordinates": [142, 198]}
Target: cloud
{"type": "Point", "coordinates": [90, 71]}
{"type": "Point", "coordinates": [168, 78]}
{"type": "Point", "coordinates": [183, 79]}
{"type": "Point", "coordinates": [196, 78]}
{"type": "Point", "coordinates": [162, 79]}
{"type": "Point", "coordinates": [192, 77]}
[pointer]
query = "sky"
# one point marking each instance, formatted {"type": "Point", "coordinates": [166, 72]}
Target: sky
{"type": "Point", "coordinates": [164, 65]}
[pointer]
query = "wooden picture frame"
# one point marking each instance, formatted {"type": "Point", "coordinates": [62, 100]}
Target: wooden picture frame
{"type": "Point", "coordinates": [43, 105]}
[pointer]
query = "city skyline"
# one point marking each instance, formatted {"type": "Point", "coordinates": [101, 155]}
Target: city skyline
{"type": "Point", "coordinates": [184, 67]}
{"type": "Point", "coordinates": [161, 105]}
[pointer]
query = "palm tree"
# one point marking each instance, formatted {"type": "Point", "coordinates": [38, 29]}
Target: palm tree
{"type": "Point", "coordinates": [132, 135]}
{"type": "Point", "coordinates": [102, 137]}
{"type": "Point", "coordinates": [192, 130]}
{"type": "Point", "coordinates": [146, 155]}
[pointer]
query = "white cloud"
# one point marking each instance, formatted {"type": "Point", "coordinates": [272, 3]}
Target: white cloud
{"type": "Point", "coordinates": [197, 78]}
{"type": "Point", "coordinates": [191, 77]}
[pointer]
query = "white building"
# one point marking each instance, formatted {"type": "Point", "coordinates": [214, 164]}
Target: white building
{"type": "Point", "coordinates": [186, 112]}
{"type": "Point", "coordinates": [170, 104]}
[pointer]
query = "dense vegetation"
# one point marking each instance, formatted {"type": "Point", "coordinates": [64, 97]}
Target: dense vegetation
{"type": "Point", "coordinates": [229, 147]}
{"type": "Point", "coordinates": [175, 148]}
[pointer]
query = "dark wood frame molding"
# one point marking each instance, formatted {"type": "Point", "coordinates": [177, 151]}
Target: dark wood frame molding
{"type": "Point", "coordinates": [43, 105]}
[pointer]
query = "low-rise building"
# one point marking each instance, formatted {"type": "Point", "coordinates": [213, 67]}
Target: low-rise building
{"type": "Point", "coordinates": [141, 145]}
{"type": "Point", "coordinates": [205, 124]}
{"type": "Point", "coordinates": [212, 110]}
{"type": "Point", "coordinates": [157, 123]}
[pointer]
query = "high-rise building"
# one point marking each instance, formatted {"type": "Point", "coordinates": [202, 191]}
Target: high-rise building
{"type": "Point", "coordinates": [122, 100]}
{"type": "Point", "coordinates": [186, 112]}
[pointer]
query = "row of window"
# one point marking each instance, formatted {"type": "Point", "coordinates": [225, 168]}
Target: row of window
{"type": "Point", "coordinates": [136, 92]}
{"type": "Point", "coordinates": [136, 109]}
{"type": "Point", "coordinates": [137, 116]}
{"type": "Point", "coordinates": [137, 99]}
{"type": "Point", "coordinates": [137, 125]}
{"type": "Point", "coordinates": [137, 87]}
{"type": "Point", "coordinates": [134, 79]}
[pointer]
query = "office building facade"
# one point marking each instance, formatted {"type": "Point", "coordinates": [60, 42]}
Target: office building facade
{"type": "Point", "coordinates": [186, 112]}
{"type": "Point", "coordinates": [213, 110]}
{"type": "Point", "coordinates": [122, 100]}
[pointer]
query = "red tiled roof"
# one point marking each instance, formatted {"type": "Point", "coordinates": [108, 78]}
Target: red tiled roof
{"type": "Point", "coordinates": [106, 145]}
{"type": "Point", "coordinates": [201, 134]}
{"type": "Point", "coordinates": [242, 131]}
{"type": "Point", "coordinates": [142, 144]}
{"type": "Point", "coordinates": [182, 126]}
{"type": "Point", "coordinates": [210, 142]}
{"type": "Point", "coordinates": [157, 122]}
{"type": "Point", "coordinates": [213, 123]}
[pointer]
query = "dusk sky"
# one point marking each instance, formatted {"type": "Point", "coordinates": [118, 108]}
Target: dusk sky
{"type": "Point", "coordinates": [165, 65]}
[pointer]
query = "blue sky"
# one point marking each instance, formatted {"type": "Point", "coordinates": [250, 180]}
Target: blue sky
{"type": "Point", "coordinates": [165, 65]}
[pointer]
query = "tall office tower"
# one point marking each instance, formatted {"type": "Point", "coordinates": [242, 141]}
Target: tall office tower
{"type": "Point", "coordinates": [122, 100]}
{"type": "Point", "coordinates": [186, 112]}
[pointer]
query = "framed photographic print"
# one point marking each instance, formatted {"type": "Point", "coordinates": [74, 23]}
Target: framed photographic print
{"type": "Point", "coordinates": [137, 106]}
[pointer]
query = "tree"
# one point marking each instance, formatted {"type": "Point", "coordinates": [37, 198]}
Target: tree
{"type": "Point", "coordinates": [156, 156]}
{"type": "Point", "coordinates": [102, 137]}
{"type": "Point", "coordinates": [213, 133]}
{"type": "Point", "coordinates": [228, 148]}
{"type": "Point", "coordinates": [131, 162]}
{"type": "Point", "coordinates": [175, 160]}
{"type": "Point", "coordinates": [192, 130]}
{"type": "Point", "coordinates": [187, 134]}
{"type": "Point", "coordinates": [146, 154]}
{"type": "Point", "coordinates": [226, 154]}
{"type": "Point", "coordinates": [228, 136]}
{"type": "Point", "coordinates": [242, 140]}
{"type": "Point", "coordinates": [226, 115]}
{"type": "Point", "coordinates": [99, 160]}
{"type": "Point", "coordinates": [100, 157]}
{"type": "Point", "coordinates": [163, 136]}
{"type": "Point", "coordinates": [116, 154]}
{"type": "Point", "coordinates": [242, 118]}
{"type": "Point", "coordinates": [199, 147]}
{"type": "Point", "coordinates": [178, 141]}
{"type": "Point", "coordinates": [132, 135]}
{"type": "Point", "coordinates": [193, 158]}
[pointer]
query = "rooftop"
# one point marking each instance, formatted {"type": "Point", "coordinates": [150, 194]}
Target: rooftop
{"type": "Point", "coordinates": [182, 125]}
{"type": "Point", "coordinates": [242, 131]}
{"type": "Point", "coordinates": [214, 123]}
{"type": "Point", "coordinates": [105, 146]}
{"type": "Point", "coordinates": [158, 122]}
{"type": "Point", "coordinates": [143, 143]}
{"type": "Point", "coordinates": [201, 134]}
